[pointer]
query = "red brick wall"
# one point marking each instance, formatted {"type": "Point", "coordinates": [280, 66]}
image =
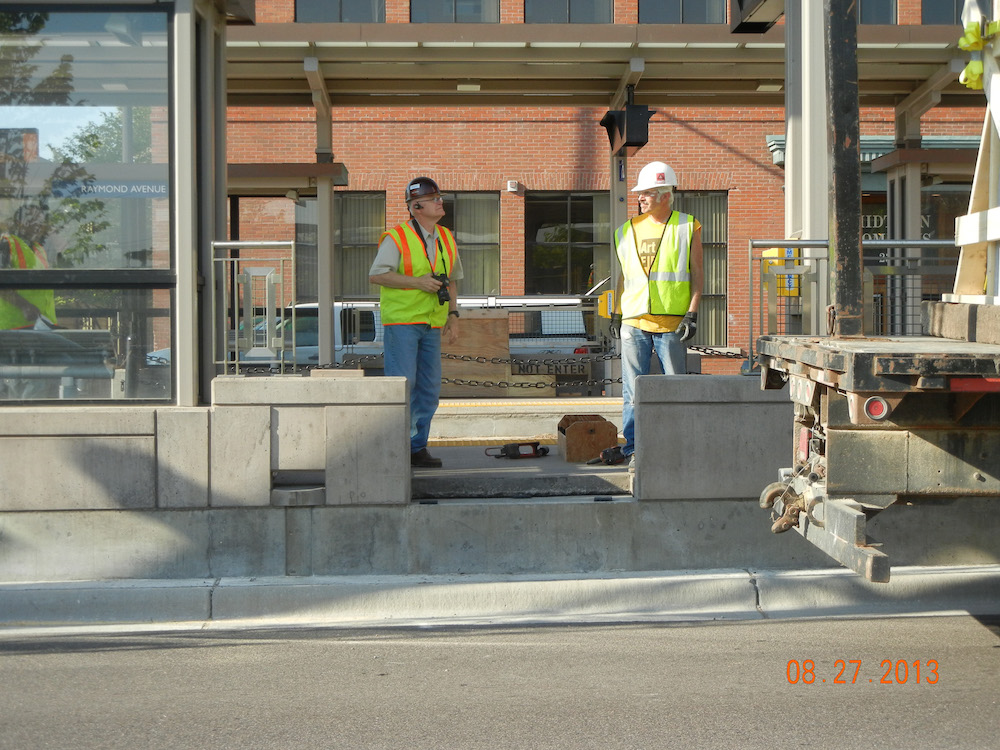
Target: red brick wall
{"type": "Point", "coordinates": [397, 11]}
{"type": "Point", "coordinates": [511, 11]}
{"type": "Point", "coordinates": [627, 11]}
{"type": "Point", "coordinates": [275, 11]}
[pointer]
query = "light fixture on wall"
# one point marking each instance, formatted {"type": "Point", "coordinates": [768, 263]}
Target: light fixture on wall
{"type": "Point", "coordinates": [292, 195]}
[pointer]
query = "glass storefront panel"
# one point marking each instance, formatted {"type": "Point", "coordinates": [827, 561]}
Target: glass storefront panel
{"type": "Point", "coordinates": [84, 194]}
{"type": "Point", "coordinates": [95, 351]}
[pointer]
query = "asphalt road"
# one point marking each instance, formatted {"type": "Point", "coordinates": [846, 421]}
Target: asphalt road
{"type": "Point", "coordinates": [641, 686]}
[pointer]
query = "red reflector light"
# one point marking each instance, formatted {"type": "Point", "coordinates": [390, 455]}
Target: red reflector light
{"type": "Point", "coordinates": [876, 408]}
{"type": "Point", "coordinates": [580, 350]}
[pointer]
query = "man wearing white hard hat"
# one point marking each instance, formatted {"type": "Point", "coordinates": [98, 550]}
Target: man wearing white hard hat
{"type": "Point", "coordinates": [656, 304]}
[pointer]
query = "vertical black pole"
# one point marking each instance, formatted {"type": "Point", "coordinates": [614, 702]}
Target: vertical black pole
{"type": "Point", "coordinates": [843, 132]}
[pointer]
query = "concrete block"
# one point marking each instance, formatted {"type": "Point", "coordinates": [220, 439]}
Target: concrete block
{"type": "Point", "coordinates": [236, 390]}
{"type": "Point", "coordinates": [182, 458]}
{"type": "Point", "coordinates": [298, 438]}
{"type": "Point", "coordinates": [359, 540]}
{"type": "Point", "coordinates": [77, 473]}
{"type": "Point", "coordinates": [240, 451]}
{"type": "Point", "coordinates": [717, 534]}
{"type": "Point", "coordinates": [93, 545]}
{"type": "Point", "coordinates": [715, 436]}
{"type": "Point", "coordinates": [246, 541]}
{"type": "Point", "coordinates": [298, 497]}
{"type": "Point", "coordinates": [298, 542]}
{"type": "Point", "coordinates": [77, 420]}
{"type": "Point", "coordinates": [961, 321]}
{"type": "Point", "coordinates": [368, 455]}
{"type": "Point", "coordinates": [336, 372]}
{"type": "Point", "coordinates": [575, 534]}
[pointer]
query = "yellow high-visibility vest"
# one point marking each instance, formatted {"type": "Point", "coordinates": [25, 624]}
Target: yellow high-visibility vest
{"type": "Point", "coordinates": [666, 289]}
{"type": "Point", "coordinates": [410, 306]}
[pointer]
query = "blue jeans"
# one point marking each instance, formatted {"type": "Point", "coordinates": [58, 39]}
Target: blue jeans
{"type": "Point", "coordinates": [637, 353]}
{"type": "Point", "coordinates": [414, 352]}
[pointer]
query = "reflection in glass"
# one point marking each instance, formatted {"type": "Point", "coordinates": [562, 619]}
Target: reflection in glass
{"type": "Point", "coordinates": [567, 11]}
{"type": "Point", "coordinates": [83, 187]}
{"type": "Point", "coordinates": [83, 136]}
{"type": "Point", "coordinates": [454, 11]}
{"type": "Point", "coordinates": [475, 220]}
{"type": "Point", "coordinates": [95, 351]}
{"type": "Point", "coordinates": [566, 241]}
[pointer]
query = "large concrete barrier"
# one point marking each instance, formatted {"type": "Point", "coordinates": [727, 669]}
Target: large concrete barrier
{"type": "Point", "coordinates": [709, 437]}
{"type": "Point", "coordinates": [160, 493]}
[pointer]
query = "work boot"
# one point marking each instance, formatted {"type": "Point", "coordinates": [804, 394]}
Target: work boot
{"type": "Point", "coordinates": [424, 460]}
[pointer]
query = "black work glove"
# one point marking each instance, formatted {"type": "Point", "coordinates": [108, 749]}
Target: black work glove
{"type": "Point", "coordinates": [688, 327]}
{"type": "Point", "coordinates": [616, 326]}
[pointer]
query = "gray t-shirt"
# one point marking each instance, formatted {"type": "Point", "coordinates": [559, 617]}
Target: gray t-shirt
{"type": "Point", "coordinates": [387, 257]}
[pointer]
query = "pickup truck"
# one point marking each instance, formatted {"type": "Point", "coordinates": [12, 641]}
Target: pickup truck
{"type": "Point", "coordinates": [539, 327]}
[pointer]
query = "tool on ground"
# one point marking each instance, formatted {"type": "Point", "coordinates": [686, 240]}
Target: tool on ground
{"type": "Point", "coordinates": [609, 456]}
{"type": "Point", "coordinates": [518, 450]}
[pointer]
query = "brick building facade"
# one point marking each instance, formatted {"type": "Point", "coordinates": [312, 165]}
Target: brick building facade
{"type": "Point", "coordinates": [547, 149]}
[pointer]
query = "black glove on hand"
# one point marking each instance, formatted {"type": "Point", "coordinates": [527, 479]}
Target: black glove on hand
{"type": "Point", "coordinates": [616, 326]}
{"type": "Point", "coordinates": [688, 327]}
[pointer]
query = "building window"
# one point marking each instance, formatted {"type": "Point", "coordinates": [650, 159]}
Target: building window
{"type": "Point", "coordinates": [567, 237]}
{"type": "Point", "coordinates": [475, 220]}
{"type": "Point", "coordinates": [84, 204]}
{"type": "Point", "coordinates": [877, 12]}
{"type": "Point", "coordinates": [567, 11]}
{"type": "Point", "coordinates": [340, 11]}
{"type": "Point", "coordinates": [942, 12]}
{"type": "Point", "coordinates": [682, 11]}
{"type": "Point", "coordinates": [359, 221]}
{"type": "Point", "coordinates": [454, 11]}
{"type": "Point", "coordinates": [712, 210]}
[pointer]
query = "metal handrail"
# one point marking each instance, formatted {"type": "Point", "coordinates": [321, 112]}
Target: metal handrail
{"type": "Point", "coordinates": [888, 244]}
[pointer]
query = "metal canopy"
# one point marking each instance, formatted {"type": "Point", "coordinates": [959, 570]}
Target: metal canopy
{"type": "Point", "coordinates": [580, 65]}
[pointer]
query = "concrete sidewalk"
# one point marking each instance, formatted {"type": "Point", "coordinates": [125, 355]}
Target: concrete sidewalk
{"type": "Point", "coordinates": [360, 601]}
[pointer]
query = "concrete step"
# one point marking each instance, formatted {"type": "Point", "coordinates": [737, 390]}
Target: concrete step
{"type": "Point", "coordinates": [469, 472]}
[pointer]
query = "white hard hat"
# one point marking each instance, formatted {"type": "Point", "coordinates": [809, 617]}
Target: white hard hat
{"type": "Point", "coordinates": [653, 175]}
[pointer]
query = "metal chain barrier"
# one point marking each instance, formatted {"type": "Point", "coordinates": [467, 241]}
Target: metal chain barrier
{"type": "Point", "coordinates": [717, 352]}
{"type": "Point", "coordinates": [357, 361]}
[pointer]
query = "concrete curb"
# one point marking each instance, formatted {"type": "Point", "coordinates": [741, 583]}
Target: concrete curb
{"type": "Point", "coordinates": [445, 600]}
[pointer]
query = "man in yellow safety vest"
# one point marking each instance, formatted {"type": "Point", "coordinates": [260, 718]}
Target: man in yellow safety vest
{"type": "Point", "coordinates": [656, 303]}
{"type": "Point", "coordinates": [416, 268]}
{"type": "Point", "coordinates": [21, 308]}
